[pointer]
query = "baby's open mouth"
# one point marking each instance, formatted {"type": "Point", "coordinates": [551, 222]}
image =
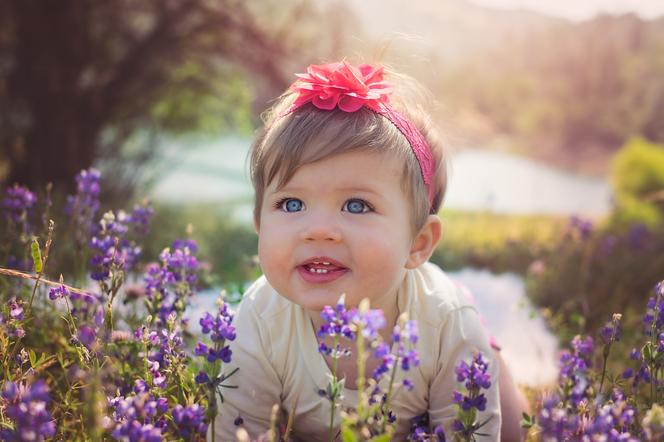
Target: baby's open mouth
{"type": "Point", "coordinates": [321, 267]}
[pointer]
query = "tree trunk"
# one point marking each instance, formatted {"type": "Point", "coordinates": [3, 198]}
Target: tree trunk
{"type": "Point", "coordinates": [60, 131]}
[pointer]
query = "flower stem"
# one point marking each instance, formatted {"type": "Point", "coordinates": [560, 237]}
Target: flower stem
{"type": "Point", "coordinates": [360, 372]}
{"type": "Point", "coordinates": [335, 382]}
{"type": "Point", "coordinates": [388, 397]}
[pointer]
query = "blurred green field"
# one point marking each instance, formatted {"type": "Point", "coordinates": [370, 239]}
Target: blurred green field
{"type": "Point", "coordinates": [495, 241]}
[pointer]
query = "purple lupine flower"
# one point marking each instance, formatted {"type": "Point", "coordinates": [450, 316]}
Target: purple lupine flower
{"type": "Point", "coordinates": [408, 358]}
{"type": "Point", "coordinates": [16, 309]}
{"type": "Point", "coordinates": [18, 202]}
{"type": "Point", "coordinates": [220, 327]}
{"type": "Point", "coordinates": [555, 422]}
{"type": "Point", "coordinates": [468, 402]}
{"type": "Point", "coordinates": [221, 330]}
{"type": "Point", "coordinates": [574, 367]}
{"type": "Point", "coordinates": [404, 334]}
{"type": "Point", "coordinates": [583, 227]}
{"type": "Point", "coordinates": [87, 191]}
{"type": "Point", "coordinates": [112, 250]}
{"type": "Point", "coordinates": [410, 331]}
{"type": "Point", "coordinates": [170, 283]}
{"type": "Point", "coordinates": [138, 417]}
{"type": "Point", "coordinates": [382, 352]}
{"type": "Point", "coordinates": [201, 349]}
{"type": "Point", "coordinates": [654, 316]}
{"type": "Point", "coordinates": [476, 378]}
{"type": "Point", "coordinates": [186, 243]}
{"type": "Point", "coordinates": [183, 264]}
{"type": "Point", "coordinates": [26, 406]}
{"type": "Point", "coordinates": [202, 378]}
{"type": "Point", "coordinates": [338, 321]}
{"type": "Point", "coordinates": [189, 420]}
{"type": "Point", "coordinates": [420, 430]}
{"type": "Point", "coordinates": [60, 291]}
{"type": "Point", "coordinates": [612, 421]}
{"type": "Point", "coordinates": [140, 217]}
{"type": "Point", "coordinates": [84, 205]}
{"type": "Point", "coordinates": [371, 322]}
{"type": "Point", "coordinates": [612, 330]}
{"type": "Point", "coordinates": [86, 335]}
{"type": "Point", "coordinates": [22, 357]}
{"type": "Point", "coordinates": [583, 347]}
{"type": "Point", "coordinates": [170, 345]}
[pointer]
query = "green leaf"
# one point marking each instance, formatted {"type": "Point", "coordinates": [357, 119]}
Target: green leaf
{"type": "Point", "coordinates": [381, 438]}
{"type": "Point", "coordinates": [36, 256]}
{"type": "Point", "coordinates": [348, 435]}
{"type": "Point", "coordinates": [646, 351]}
{"type": "Point", "coordinates": [527, 421]}
{"type": "Point", "coordinates": [32, 356]}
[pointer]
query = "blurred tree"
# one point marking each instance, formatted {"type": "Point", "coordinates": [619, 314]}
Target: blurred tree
{"type": "Point", "coordinates": [79, 79]}
{"type": "Point", "coordinates": [572, 90]}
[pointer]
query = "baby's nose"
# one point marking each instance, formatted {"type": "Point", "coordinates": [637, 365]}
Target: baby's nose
{"type": "Point", "coordinates": [322, 230]}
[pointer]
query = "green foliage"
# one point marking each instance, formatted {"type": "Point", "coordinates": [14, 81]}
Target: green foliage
{"type": "Point", "coordinates": [638, 181]}
{"type": "Point", "coordinates": [595, 271]}
{"type": "Point", "coordinates": [497, 242]}
{"type": "Point", "coordinates": [228, 246]}
{"type": "Point", "coordinates": [198, 101]}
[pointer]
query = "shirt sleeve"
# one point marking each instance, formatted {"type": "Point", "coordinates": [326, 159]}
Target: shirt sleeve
{"type": "Point", "coordinates": [462, 336]}
{"type": "Point", "coordinates": [259, 386]}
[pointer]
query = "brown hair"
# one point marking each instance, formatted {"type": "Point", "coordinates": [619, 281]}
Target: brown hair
{"type": "Point", "coordinates": [288, 142]}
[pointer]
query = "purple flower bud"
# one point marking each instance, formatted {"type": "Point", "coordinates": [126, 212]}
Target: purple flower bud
{"type": "Point", "coordinates": [86, 335]}
{"type": "Point", "coordinates": [18, 202]}
{"type": "Point", "coordinates": [201, 349]}
{"type": "Point", "coordinates": [15, 309]}
{"type": "Point", "coordinates": [162, 405]}
{"type": "Point", "coordinates": [202, 378]}
{"type": "Point", "coordinates": [189, 420]}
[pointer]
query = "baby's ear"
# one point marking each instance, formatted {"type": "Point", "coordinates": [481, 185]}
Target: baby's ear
{"type": "Point", "coordinates": [425, 242]}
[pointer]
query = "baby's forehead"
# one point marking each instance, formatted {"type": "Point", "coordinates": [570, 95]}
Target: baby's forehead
{"type": "Point", "coordinates": [349, 170]}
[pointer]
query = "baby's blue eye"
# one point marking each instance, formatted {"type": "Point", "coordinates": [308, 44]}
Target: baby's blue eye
{"type": "Point", "coordinates": [291, 205]}
{"type": "Point", "coordinates": [356, 206]}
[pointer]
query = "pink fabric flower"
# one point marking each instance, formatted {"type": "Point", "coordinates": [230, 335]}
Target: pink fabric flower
{"type": "Point", "coordinates": [342, 85]}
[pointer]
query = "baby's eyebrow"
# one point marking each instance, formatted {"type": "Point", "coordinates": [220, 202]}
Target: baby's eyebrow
{"type": "Point", "coordinates": [287, 189]}
{"type": "Point", "coordinates": [361, 189]}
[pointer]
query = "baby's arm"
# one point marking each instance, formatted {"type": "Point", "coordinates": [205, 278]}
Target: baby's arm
{"type": "Point", "coordinates": [462, 337]}
{"type": "Point", "coordinates": [259, 387]}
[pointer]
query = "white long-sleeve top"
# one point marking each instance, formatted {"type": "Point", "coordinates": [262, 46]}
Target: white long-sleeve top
{"type": "Point", "coordinates": [276, 350]}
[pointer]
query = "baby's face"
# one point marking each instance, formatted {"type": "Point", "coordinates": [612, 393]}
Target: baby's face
{"type": "Point", "coordinates": [340, 225]}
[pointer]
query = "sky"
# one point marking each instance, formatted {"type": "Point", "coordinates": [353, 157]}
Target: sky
{"type": "Point", "coordinates": [581, 9]}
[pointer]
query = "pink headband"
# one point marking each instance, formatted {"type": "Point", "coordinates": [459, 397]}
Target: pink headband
{"type": "Point", "coordinates": [342, 85]}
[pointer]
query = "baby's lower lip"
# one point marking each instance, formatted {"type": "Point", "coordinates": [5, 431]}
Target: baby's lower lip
{"type": "Point", "coordinates": [315, 277]}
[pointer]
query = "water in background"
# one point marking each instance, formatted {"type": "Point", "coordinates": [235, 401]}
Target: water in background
{"type": "Point", "coordinates": [479, 180]}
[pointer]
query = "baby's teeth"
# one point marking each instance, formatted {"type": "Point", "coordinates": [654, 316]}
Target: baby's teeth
{"type": "Point", "coordinates": [312, 270]}
{"type": "Point", "coordinates": [326, 263]}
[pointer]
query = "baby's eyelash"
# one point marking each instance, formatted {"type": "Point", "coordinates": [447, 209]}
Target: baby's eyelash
{"type": "Point", "coordinates": [280, 202]}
